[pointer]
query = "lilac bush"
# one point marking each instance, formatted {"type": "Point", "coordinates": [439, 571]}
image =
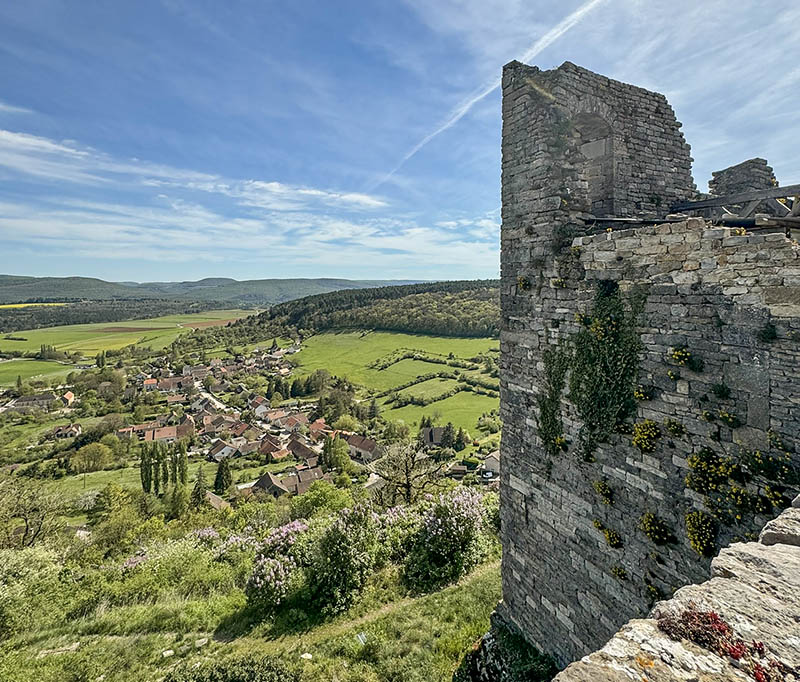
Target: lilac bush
{"type": "Point", "coordinates": [282, 541]}
{"type": "Point", "coordinates": [450, 540]}
{"type": "Point", "coordinates": [344, 558]}
{"type": "Point", "coordinates": [207, 537]}
{"type": "Point", "coordinates": [270, 582]}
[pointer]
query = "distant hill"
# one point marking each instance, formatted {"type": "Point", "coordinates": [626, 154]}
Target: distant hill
{"type": "Point", "coordinates": [257, 292]}
{"type": "Point", "coordinates": [460, 309]}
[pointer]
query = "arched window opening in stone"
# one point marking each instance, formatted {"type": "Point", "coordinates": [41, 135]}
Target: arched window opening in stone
{"type": "Point", "coordinates": [595, 142]}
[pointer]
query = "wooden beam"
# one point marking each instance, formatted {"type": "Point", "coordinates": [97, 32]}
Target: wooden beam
{"type": "Point", "coordinates": [741, 198]}
{"type": "Point", "coordinates": [778, 206]}
{"type": "Point", "coordinates": [748, 210]}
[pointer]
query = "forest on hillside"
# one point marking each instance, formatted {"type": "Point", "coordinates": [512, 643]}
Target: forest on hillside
{"type": "Point", "coordinates": [463, 309]}
{"type": "Point", "coordinates": [89, 312]}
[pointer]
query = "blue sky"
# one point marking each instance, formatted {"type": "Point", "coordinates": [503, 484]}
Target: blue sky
{"type": "Point", "coordinates": [180, 139]}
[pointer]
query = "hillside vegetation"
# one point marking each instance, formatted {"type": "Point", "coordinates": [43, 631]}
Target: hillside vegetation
{"type": "Point", "coordinates": [257, 292]}
{"type": "Point", "coordinates": [453, 309]}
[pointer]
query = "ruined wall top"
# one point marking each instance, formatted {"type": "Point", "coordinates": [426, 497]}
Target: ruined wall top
{"type": "Point", "coordinates": [603, 147]}
{"type": "Point", "coordinates": [747, 176]}
{"type": "Point", "coordinates": [754, 589]}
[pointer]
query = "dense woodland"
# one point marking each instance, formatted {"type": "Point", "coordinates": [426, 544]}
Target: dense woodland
{"type": "Point", "coordinates": [87, 312]}
{"type": "Point", "coordinates": [464, 308]}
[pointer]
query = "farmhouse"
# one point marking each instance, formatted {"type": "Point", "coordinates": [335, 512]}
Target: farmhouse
{"type": "Point", "coordinates": [222, 450]}
{"type": "Point", "coordinates": [362, 448]}
{"type": "Point", "coordinates": [67, 431]}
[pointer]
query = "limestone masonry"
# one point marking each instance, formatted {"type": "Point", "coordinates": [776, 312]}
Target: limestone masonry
{"type": "Point", "coordinates": [687, 335]}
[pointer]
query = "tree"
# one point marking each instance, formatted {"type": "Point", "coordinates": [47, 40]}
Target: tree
{"type": "Point", "coordinates": [179, 502]}
{"type": "Point", "coordinates": [276, 399]}
{"type": "Point", "coordinates": [173, 464]}
{"type": "Point", "coordinates": [374, 410]}
{"type": "Point", "coordinates": [346, 423]}
{"type": "Point", "coordinates": [146, 468]}
{"type": "Point", "coordinates": [92, 457]}
{"type": "Point", "coordinates": [336, 455]}
{"type": "Point", "coordinates": [19, 383]}
{"type": "Point", "coordinates": [198, 498]}
{"type": "Point", "coordinates": [30, 513]}
{"type": "Point", "coordinates": [223, 479]}
{"type": "Point", "coordinates": [448, 436]}
{"type": "Point", "coordinates": [461, 440]}
{"type": "Point", "coordinates": [322, 498]}
{"type": "Point", "coordinates": [407, 473]}
{"type": "Point", "coordinates": [183, 463]}
{"type": "Point", "coordinates": [396, 431]}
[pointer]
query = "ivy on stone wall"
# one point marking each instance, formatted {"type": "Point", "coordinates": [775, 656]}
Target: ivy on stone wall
{"type": "Point", "coordinates": [551, 429]}
{"type": "Point", "coordinates": [605, 365]}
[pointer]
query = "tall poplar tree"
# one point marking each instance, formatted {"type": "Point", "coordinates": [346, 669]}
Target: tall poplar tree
{"type": "Point", "coordinates": [198, 498]}
{"type": "Point", "coordinates": [223, 479]}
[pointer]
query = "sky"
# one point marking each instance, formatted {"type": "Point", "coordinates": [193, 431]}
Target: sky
{"type": "Point", "coordinates": [164, 140]}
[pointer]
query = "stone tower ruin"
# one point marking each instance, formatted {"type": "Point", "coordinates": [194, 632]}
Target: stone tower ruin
{"type": "Point", "coordinates": [650, 368]}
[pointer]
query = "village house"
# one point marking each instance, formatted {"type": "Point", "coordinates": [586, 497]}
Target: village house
{"type": "Point", "coordinates": [216, 501]}
{"type": "Point", "coordinates": [299, 449]}
{"type": "Point", "coordinates": [68, 431]}
{"type": "Point", "coordinates": [363, 449]}
{"type": "Point", "coordinates": [68, 398]}
{"type": "Point", "coordinates": [318, 429]}
{"type": "Point", "coordinates": [29, 403]}
{"type": "Point", "coordinates": [150, 385]}
{"type": "Point", "coordinates": [222, 450]}
{"type": "Point", "coordinates": [431, 436]}
{"type": "Point", "coordinates": [260, 406]}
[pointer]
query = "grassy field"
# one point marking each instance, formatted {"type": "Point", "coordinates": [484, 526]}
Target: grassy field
{"type": "Point", "coordinates": [349, 355]}
{"type": "Point", "coordinates": [90, 339]}
{"type": "Point", "coordinates": [27, 369]}
{"type": "Point", "coordinates": [463, 409]}
{"type": "Point", "coordinates": [29, 305]}
{"type": "Point", "coordinates": [129, 477]}
{"type": "Point", "coordinates": [409, 639]}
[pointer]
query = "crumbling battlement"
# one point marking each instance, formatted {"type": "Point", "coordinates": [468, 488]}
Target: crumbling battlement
{"type": "Point", "coordinates": [649, 383]}
{"type": "Point", "coordinates": [754, 587]}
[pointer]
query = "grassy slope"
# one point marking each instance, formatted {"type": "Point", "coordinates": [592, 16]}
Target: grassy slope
{"type": "Point", "coordinates": [409, 639]}
{"type": "Point", "coordinates": [10, 370]}
{"type": "Point", "coordinates": [348, 354]}
{"type": "Point", "coordinates": [157, 332]}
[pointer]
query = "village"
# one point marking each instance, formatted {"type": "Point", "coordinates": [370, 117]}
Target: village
{"type": "Point", "coordinates": [209, 407]}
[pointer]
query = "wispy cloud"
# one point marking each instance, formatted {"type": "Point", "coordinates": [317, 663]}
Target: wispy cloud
{"type": "Point", "coordinates": [66, 161]}
{"type": "Point", "coordinates": [11, 109]}
{"type": "Point", "coordinates": [463, 109]}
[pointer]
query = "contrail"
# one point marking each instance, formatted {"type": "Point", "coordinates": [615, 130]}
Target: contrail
{"type": "Point", "coordinates": [459, 112]}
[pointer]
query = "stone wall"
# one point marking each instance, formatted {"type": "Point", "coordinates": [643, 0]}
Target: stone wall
{"type": "Point", "coordinates": [718, 367]}
{"type": "Point", "coordinates": [754, 588]}
{"type": "Point", "coordinates": [747, 176]}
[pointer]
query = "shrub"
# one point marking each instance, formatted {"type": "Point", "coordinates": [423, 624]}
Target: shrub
{"type": "Point", "coordinates": [619, 572]}
{"type": "Point", "coordinates": [655, 529]}
{"type": "Point", "coordinates": [449, 542]}
{"type": "Point", "coordinates": [645, 435]}
{"type": "Point", "coordinates": [709, 471]}
{"type": "Point", "coordinates": [249, 668]}
{"type": "Point", "coordinates": [701, 530]}
{"type": "Point", "coordinates": [721, 391]}
{"type": "Point", "coordinates": [674, 428]}
{"type": "Point", "coordinates": [729, 419]}
{"type": "Point", "coordinates": [613, 539]}
{"type": "Point", "coordinates": [270, 582]}
{"type": "Point", "coordinates": [604, 491]}
{"type": "Point", "coordinates": [344, 558]}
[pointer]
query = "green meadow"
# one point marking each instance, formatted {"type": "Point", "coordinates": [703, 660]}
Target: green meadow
{"type": "Point", "coordinates": [90, 339]}
{"type": "Point", "coordinates": [350, 354]}
{"type": "Point", "coordinates": [29, 369]}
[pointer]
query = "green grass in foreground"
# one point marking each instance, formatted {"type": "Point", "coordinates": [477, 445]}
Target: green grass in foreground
{"type": "Point", "coordinates": [157, 332]}
{"type": "Point", "coordinates": [408, 639]}
{"type": "Point", "coordinates": [27, 369]}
